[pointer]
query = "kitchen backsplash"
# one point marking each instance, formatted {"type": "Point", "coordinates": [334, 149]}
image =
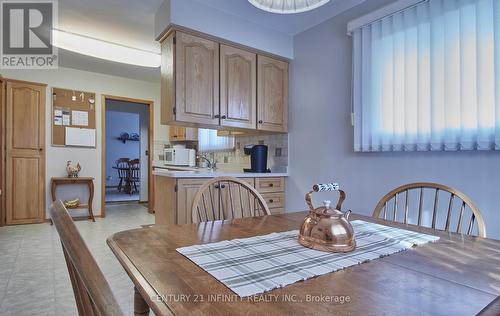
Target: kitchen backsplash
{"type": "Point", "coordinates": [277, 157]}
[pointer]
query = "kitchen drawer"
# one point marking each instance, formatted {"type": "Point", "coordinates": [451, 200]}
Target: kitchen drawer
{"type": "Point", "coordinates": [275, 184]}
{"type": "Point", "coordinates": [274, 200]}
{"type": "Point", "coordinates": [275, 211]}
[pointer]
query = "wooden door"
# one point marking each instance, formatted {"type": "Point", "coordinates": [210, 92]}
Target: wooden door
{"type": "Point", "coordinates": [186, 190]}
{"type": "Point", "coordinates": [2, 153]}
{"type": "Point", "coordinates": [25, 153]}
{"type": "Point", "coordinates": [272, 94]}
{"type": "Point", "coordinates": [238, 80]}
{"type": "Point", "coordinates": [197, 80]}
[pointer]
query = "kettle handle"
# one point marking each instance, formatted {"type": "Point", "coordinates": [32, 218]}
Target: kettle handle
{"type": "Point", "coordinates": [326, 187]}
{"type": "Point", "coordinates": [347, 214]}
{"type": "Point", "coordinates": [321, 187]}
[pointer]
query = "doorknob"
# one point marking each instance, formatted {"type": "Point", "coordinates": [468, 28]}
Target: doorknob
{"type": "Point", "coordinates": [40, 149]}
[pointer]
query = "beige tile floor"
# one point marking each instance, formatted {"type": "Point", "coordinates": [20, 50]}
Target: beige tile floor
{"type": "Point", "coordinates": [33, 275]}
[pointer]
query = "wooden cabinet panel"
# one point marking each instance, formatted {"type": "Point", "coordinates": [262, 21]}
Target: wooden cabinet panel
{"type": "Point", "coordinates": [272, 92]}
{"type": "Point", "coordinates": [178, 133]}
{"type": "Point", "coordinates": [167, 80]}
{"type": "Point", "coordinates": [165, 200]}
{"type": "Point", "coordinates": [253, 88]}
{"type": "Point", "coordinates": [197, 79]}
{"type": "Point", "coordinates": [274, 184]}
{"type": "Point", "coordinates": [187, 189]}
{"type": "Point", "coordinates": [238, 79]}
{"type": "Point", "coordinates": [176, 207]}
{"type": "Point", "coordinates": [25, 153]}
{"type": "Point", "coordinates": [274, 200]}
{"type": "Point", "coordinates": [234, 200]}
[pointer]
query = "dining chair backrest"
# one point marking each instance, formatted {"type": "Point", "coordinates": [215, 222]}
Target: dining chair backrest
{"type": "Point", "coordinates": [92, 292]}
{"type": "Point", "coordinates": [447, 209]}
{"type": "Point", "coordinates": [135, 169]}
{"type": "Point", "coordinates": [492, 309]}
{"type": "Point", "coordinates": [227, 197]}
{"type": "Point", "coordinates": [122, 165]}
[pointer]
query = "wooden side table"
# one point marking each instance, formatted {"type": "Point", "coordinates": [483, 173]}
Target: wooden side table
{"type": "Point", "coordinates": [89, 181]}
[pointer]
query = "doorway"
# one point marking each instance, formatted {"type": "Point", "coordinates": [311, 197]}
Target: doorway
{"type": "Point", "coordinates": [127, 142]}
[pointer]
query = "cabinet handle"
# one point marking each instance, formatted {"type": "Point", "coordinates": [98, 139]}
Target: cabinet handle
{"type": "Point", "coordinates": [223, 186]}
{"type": "Point", "coordinates": [271, 201]}
{"type": "Point", "coordinates": [223, 117]}
{"type": "Point", "coordinates": [271, 184]}
{"type": "Point", "coordinates": [260, 122]}
{"type": "Point", "coordinates": [216, 186]}
{"type": "Point", "coordinates": [216, 116]}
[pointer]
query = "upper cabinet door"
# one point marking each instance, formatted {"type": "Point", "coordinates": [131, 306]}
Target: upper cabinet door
{"type": "Point", "coordinates": [272, 92]}
{"type": "Point", "coordinates": [197, 80]}
{"type": "Point", "coordinates": [238, 79]}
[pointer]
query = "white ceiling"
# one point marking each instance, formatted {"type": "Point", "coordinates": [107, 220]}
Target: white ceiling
{"type": "Point", "coordinates": [127, 22]}
{"type": "Point", "coordinates": [131, 23]}
{"type": "Point", "coordinates": [290, 24]}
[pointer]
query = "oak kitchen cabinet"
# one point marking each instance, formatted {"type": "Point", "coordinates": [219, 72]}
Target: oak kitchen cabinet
{"type": "Point", "coordinates": [272, 91]}
{"type": "Point", "coordinates": [174, 198]}
{"type": "Point", "coordinates": [179, 133]}
{"type": "Point", "coordinates": [252, 94]}
{"type": "Point", "coordinates": [238, 78]}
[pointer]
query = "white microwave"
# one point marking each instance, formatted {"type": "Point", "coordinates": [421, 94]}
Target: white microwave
{"type": "Point", "coordinates": [177, 156]}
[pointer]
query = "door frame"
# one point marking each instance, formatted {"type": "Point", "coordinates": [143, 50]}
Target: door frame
{"type": "Point", "coordinates": [150, 105]}
{"type": "Point", "coordinates": [3, 215]}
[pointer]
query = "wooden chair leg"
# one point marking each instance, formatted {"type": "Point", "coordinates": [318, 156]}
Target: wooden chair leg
{"type": "Point", "coordinates": [141, 308]}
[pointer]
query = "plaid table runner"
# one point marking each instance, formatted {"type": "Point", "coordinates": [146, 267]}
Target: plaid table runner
{"type": "Point", "coordinates": [258, 264]}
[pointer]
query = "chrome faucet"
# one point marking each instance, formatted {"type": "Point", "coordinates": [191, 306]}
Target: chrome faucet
{"type": "Point", "coordinates": [212, 165]}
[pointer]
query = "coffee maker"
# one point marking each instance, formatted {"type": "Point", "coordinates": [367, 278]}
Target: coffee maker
{"type": "Point", "coordinates": [258, 158]}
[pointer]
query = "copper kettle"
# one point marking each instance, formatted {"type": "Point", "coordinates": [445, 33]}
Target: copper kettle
{"type": "Point", "coordinates": [327, 229]}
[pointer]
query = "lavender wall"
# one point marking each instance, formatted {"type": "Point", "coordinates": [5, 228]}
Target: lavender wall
{"type": "Point", "coordinates": [321, 137]}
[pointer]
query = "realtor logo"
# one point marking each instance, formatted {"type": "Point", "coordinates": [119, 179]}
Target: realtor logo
{"type": "Point", "coordinates": [27, 34]}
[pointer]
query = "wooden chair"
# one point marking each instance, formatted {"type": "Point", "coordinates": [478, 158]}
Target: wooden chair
{"type": "Point", "coordinates": [465, 209]}
{"type": "Point", "coordinates": [122, 169]}
{"type": "Point", "coordinates": [134, 174]}
{"type": "Point", "coordinates": [92, 292]}
{"type": "Point", "coordinates": [493, 308]}
{"type": "Point", "coordinates": [227, 197]}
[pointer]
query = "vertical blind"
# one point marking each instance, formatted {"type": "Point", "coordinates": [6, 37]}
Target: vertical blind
{"type": "Point", "coordinates": [208, 141]}
{"type": "Point", "coordinates": [428, 78]}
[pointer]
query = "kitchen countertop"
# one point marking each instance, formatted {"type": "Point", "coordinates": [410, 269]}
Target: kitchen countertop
{"type": "Point", "coordinates": [206, 173]}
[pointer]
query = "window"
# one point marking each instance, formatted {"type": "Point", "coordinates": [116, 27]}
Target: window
{"type": "Point", "coordinates": [208, 141]}
{"type": "Point", "coordinates": [428, 78]}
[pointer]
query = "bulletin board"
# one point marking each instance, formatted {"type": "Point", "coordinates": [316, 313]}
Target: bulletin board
{"type": "Point", "coordinates": [73, 118]}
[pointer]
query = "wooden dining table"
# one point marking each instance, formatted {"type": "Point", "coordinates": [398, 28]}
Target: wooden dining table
{"type": "Point", "coordinates": [457, 275]}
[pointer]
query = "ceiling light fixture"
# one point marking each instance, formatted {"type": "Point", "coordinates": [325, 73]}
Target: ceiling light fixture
{"type": "Point", "coordinates": [287, 6]}
{"type": "Point", "coordinates": [89, 46]}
